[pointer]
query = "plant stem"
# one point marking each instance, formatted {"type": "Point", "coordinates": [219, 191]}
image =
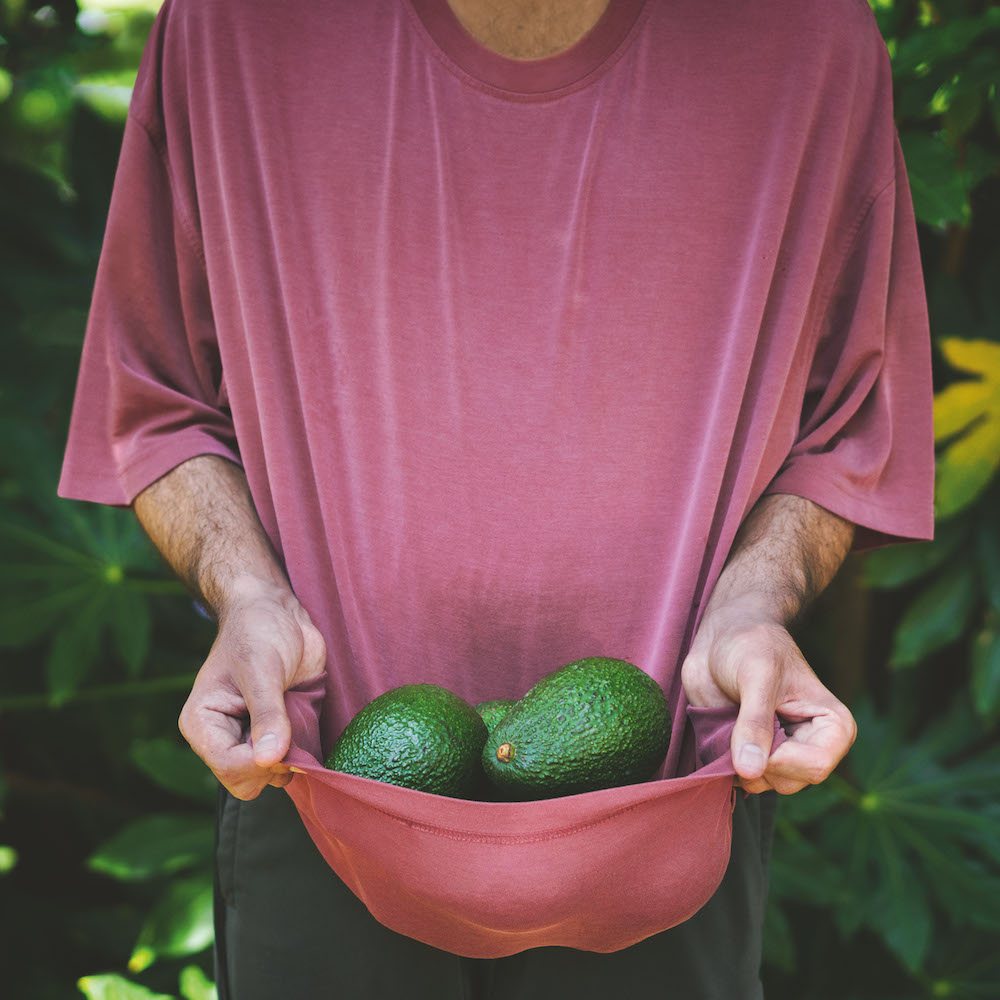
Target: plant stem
{"type": "Point", "coordinates": [128, 689]}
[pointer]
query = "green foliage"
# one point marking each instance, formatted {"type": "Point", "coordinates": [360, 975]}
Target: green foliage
{"type": "Point", "coordinates": [891, 867]}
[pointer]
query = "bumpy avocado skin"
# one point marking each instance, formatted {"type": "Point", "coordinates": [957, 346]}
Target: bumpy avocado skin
{"type": "Point", "coordinates": [595, 723]}
{"type": "Point", "coordinates": [419, 736]}
{"type": "Point", "coordinates": [493, 712]}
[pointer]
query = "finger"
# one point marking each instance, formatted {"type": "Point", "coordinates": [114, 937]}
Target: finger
{"type": "Point", "coordinates": [754, 786]}
{"type": "Point", "coordinates": [797, 763]}
{"type": "Point", "coordinates": [270, 729]}
{"type": "Point", "coordinates": [753, 732]}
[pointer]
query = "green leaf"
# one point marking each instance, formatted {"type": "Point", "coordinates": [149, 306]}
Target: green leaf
{"type": "Point", "coordinates": [900, 913]}
{"type": "Point", "coordinates": [195, 985]}
{"type": "Point", "coordinates": [181, 924]}
{"type": "Point", "coordinates": [938, 616]}
{"type": "Point", "coordinates": [986, 671]}
{"type": "Point", "coordinates": [116, 988]}
{"type": "Point", "coordinates": [74, 651]}
{"type": "Point", "coordinates": [155, 845]}
{"type": "Point", "coordinates": [8, 858]}
{"type": "Point", "coordinates": [896, 565]}
{"type": "Point", "coordinates": [24, 623]}
{"type": "Point", "coordinates": [940, 193]}
{"type": "Point", "coordinates": [176, 769]}
{"type": "Point", "coordinates": [131, 626]}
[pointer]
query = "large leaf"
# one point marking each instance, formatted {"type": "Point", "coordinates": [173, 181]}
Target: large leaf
{"type": "Point", "coordinates": [176, 769]}
{"type": "Point", "coordinates": [116, 988]}
{"type": "Point", "coordinates": [155, 845]}
{"type": "Point", "coordinates": [181, 924]}
{"type": "Point", "coordinates": [967, 419]}
{"type": "Point", "coordinates": [940, 193]}
{"type": "Point", "coordinates": [937, 617]}
{"type": "Point", "coordinates": [896, 565]}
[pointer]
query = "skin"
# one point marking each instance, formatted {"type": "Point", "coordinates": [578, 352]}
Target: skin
{"type": "Point", "coordinates": [202, 519]}
{"type": "Point", "coordinates": [528, 29]}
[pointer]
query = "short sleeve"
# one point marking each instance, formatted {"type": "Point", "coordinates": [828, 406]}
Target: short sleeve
{"type": "Point", "coordinates": [150, 391]}
{"type": "Point", "coordinates": [865, 444]}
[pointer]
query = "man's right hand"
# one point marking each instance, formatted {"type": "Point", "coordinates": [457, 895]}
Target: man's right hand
{"type": "Point", "coordinates": [266, 644]}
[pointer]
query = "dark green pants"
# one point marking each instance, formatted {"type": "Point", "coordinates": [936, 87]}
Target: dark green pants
{"type": "Point", "coordinates": [288, 929]}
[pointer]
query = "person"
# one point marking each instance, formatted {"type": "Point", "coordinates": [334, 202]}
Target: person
{"type": "Point", "coordinates": [450, 341]}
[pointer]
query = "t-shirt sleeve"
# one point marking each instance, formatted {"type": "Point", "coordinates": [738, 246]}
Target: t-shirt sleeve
{"type": "Point", "coordinates": [150, 391]}
{"type": "Point", "coordinates": [865, 444]}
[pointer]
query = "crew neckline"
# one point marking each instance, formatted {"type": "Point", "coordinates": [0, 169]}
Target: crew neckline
{"type": "Point", "coordinates": [527, 78]}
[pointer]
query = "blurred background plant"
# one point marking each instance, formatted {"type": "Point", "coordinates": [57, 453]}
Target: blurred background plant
{"type": "Point", "coordinates": [886, 879]}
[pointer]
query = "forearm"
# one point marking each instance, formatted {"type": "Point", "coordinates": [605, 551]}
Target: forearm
{"type": "Point", "coordinates": [785, 554]}
{"type": "Point", "coordinates": [202, 519]}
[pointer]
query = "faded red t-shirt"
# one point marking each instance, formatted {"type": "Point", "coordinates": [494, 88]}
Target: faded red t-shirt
{"type": "Point", "coordinates": [506, 349]}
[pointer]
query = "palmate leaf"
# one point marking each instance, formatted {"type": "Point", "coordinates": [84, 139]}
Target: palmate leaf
{"type": "Point", "coordinates": [914, 836]}
{"type": "Point", "coordinates": [967, 421]}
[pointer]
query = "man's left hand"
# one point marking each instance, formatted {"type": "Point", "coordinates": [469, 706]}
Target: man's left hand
{"type": "Point", "coordinates": [741, 658]}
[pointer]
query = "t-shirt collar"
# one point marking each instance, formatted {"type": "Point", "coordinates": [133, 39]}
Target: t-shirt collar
{"type": "Point", "coordinates": [531, 77]}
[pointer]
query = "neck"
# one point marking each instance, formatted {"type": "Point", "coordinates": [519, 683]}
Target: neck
{"type": "Point", "coordinates": [528, 29]}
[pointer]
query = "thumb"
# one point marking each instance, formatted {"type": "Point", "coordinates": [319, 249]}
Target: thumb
{"type": "Point", "coordinates": [753, 732]}
{"type": "Point", "coordinates": [270, 729]}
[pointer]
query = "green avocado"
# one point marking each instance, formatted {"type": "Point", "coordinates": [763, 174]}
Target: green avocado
{"type": "Point", "coordinates": [420, 736]}
{"type": "Point", "coordinates": [595, 723]}
{"type": "Point", "coordinates": [494, 711]}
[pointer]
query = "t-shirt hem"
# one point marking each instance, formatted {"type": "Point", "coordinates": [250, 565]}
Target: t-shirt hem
{"type": "Point", "coordinates": [142, 471]}
{"type": "Point", "coordinates": [878, 524]}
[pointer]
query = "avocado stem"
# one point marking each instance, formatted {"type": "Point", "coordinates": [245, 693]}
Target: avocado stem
{"type": "Point", "coordinates": [505, 753]}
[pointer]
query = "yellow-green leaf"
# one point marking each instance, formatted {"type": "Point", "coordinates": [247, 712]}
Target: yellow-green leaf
{"type": "Point", "coordinates": [978, 357]}
{"type": "Point", "coordinates": [958, 405]}
{"type": "Point", "coordinates": [967, 420]}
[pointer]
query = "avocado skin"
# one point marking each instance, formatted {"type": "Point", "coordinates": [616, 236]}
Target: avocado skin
{"type": "Point", "coordinates": [594, 723]}
{"type": "Point", "coordinates": [420, 736]}
{"type": "Point", "coordinates": [493, 712]}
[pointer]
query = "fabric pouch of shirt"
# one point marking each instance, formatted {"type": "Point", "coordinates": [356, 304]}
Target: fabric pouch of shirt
{"type": "Point", "coordinates": [598, 871]}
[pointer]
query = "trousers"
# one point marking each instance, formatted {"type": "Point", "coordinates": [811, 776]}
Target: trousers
{"type": "Point", "coordinates": [287, 928]}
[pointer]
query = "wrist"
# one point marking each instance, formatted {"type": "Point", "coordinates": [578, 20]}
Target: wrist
{"type": "Point", "coordinates": [246, 590]}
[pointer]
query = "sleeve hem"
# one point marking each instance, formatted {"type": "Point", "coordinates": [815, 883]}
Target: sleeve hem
{"type": "Point", "coordinates": [878, 523]}
{"type": "Point", "coordinates": [143, 470]}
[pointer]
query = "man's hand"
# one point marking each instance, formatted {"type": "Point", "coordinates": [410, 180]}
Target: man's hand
{"type": "Point", "coordinates": [785, 553]}
{"type": "Point", "coordinates": [740, 658]}
{"type": "Point", "coordinates": [201, 517]}
{"type": "Point", "coordinates": [266, 644]}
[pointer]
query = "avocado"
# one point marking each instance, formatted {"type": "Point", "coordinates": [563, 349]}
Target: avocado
{"type": "Point", "coordinates": [494, 711]}
{"type": "Point", "coordinates": [420, 736]}
{"type": "Point", "coordinates": [594, 723]}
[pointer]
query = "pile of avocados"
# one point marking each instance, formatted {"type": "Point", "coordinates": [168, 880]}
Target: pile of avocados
{"type": "Point", "coordinates": [594, 723]}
